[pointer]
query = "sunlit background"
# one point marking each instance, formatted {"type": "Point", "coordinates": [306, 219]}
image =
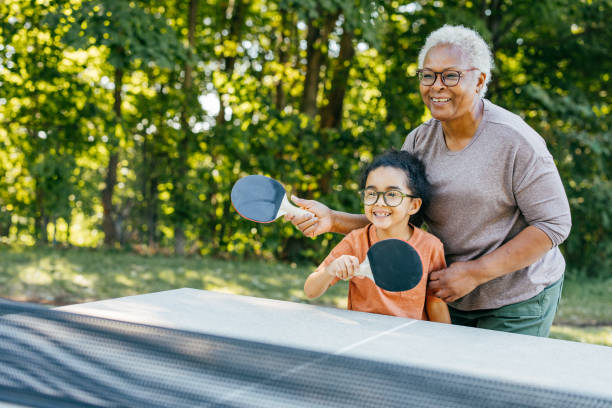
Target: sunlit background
{"type": "Point", "coordinates": [124, 124]}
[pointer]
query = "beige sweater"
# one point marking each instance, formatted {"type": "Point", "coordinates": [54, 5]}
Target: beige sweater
{"type": "Point", "coordinates": [482, 196]}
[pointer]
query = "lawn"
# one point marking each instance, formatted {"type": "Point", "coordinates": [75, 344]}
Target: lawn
{"type": "Point", "coordinates": [67, 276]}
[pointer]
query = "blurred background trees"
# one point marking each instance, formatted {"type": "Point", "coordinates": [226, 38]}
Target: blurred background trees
{"type": "Point", "coordinates": [126, 123]}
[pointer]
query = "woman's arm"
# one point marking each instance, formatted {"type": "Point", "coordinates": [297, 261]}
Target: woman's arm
{"type": "Point", "coordinates": [460, 278]}
{"type": "Point", "coordinates": [542, 201]}
{"type": "Point", "coordinates": [325, 219]}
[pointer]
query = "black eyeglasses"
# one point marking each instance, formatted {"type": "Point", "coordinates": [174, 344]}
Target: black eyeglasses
{"type": "Point", "coordinates": [450, 77]}
{"type": "Point", "coordinates": [392, 198]}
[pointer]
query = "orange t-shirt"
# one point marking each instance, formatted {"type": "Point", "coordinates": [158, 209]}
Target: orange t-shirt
{"type": "Point", "coordinates": [365, 296]}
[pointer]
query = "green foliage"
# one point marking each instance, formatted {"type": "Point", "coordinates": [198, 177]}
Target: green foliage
{"type": "Point", "coordinates": [46, 123]}
{"type": "Point", "coordinates": [130, 31]}
{"type": "Point", "coordinates": [179, 156]}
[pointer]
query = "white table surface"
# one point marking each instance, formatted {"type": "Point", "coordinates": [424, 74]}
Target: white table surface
{"type": "Point", "coordinates": [556, 364]}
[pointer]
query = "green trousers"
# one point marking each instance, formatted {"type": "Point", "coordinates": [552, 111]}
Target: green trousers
{"type": "Point", "coordinates": [532, 316]}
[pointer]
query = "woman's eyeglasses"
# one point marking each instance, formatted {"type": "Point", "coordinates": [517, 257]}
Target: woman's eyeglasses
{"type": "Point", "coordinates": [450, 77]}
{"type": "Point", "coordinates": [392, 198]}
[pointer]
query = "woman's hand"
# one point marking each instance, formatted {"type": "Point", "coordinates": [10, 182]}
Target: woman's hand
{"type": "Point", "coordinates": [461, 278]}
{"type": "Point", "coordinates": [453, 282]}
{"type": "Point", "coordinates": [343, 267]}
{"type": "Point", "coordinates": [312, 226]}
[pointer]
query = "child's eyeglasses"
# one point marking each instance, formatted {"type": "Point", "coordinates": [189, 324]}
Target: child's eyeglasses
{"type": "Point", "coordinates": [392, 198]}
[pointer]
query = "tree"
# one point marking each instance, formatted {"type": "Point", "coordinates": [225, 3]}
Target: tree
{"type": "Point", "coordinates": [161, 105]}
{"type": "Point", "coordinates": [50, 110]}
{"type": "Point", "coordinates": [130, 35]}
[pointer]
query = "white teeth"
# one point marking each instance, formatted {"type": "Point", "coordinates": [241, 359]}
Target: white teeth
{"type": "Point", "coordinates": [440, 99]}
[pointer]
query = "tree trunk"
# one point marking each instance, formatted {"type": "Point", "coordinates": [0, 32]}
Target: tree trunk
{"type": "Point", "coordinates": [313, 67]}
{"type": "Point", "coordinates": [280, 99]}
{"type": "Point", "coordinates": [68, 225]}
{"type": "Point", "coordinates": [7, 222]}
{"type": "Point", "coordinates": [108, 221]}
{"type": "Point", "coordinates": [44, 238]}
{"type": "Point", "coordinates": [235, 13]}
{"type": "Point", "coordinates": [149, 182]}
{"type": "Point", "coordinates": [54, 242]}
{"type": "Point", "coordinates": [180, 190]}
{"type": "Point", "coordinates": [316, 39]}
{"type": "Point", "coordinates": [331, 116]}
{"type": "Point", "coordinates": [108, 218]}
{"type": "Point", "coordinates": [40, 222]}
{"type": "Point", "coordinates": [152, 211]}
{"type": "Point", "coordinates": [193, 13]}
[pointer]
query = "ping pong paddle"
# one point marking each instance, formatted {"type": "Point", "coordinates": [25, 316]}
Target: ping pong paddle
{"type": "Point", "coordinates": [262, 199]}
{"type": "Point", "coordinates": [394, 265]}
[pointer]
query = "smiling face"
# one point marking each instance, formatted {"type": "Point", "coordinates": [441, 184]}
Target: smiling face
{"type": "Point", "coordinates": [451, 103]}
{"type": "Point", "coordinates": [390, 222]}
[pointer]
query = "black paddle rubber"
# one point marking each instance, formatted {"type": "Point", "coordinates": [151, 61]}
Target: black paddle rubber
{"type": "Point", "coordinates": [396, 265]}
{"type": "Point", "coordinates": [257, 198]}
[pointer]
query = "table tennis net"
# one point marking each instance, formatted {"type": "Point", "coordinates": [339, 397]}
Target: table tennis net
{"type": "Point", "coordinates": [51, 358]}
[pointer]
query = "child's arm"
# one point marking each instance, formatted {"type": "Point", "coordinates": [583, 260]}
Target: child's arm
{"type": "Point", "coordinates": [317, 283]}
{"type": "Point", "coordinates": [437, 310]}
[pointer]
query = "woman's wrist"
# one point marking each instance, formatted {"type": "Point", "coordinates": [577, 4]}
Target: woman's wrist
{"type": "Point", "coordinates": [477, 270]}
{"type": "Point", "coordinates": [333, 216]}
{"type": "Point", "coordinates": [343, 223]}
{"type": "Point", "coordinates": [483, 269]}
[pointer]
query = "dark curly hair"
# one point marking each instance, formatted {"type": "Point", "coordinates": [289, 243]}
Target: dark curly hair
{"type": "Point", "coordinates": [416, 178]}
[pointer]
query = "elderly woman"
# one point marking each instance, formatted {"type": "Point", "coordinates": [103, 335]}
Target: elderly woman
{"type": "Point", "coordinates": [498, 203]}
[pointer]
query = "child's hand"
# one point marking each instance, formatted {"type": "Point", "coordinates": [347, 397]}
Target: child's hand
{"type": "Point", "coordinates": [344, 267]}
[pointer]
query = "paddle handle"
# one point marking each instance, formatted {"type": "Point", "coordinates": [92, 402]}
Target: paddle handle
{"type": "Point", "coordinates": [365, 269]}
{"type": "Point", "coordinates": [287, 208]}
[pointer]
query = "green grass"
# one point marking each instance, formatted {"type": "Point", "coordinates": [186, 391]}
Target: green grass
{"type": "Point", "coordinates": [595, 335]}
{"type": "Point", "coordinates": [586, 302]}
{"type": "Point", "coordinates": [60, 276]}
{"type": "Point", "coordinates": [67, 276]}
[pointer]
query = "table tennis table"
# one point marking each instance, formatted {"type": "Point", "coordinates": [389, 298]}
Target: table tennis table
{"type": "Point", "coordinates": [535, 371]}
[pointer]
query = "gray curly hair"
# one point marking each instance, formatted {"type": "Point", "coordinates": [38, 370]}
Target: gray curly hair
{"type": "Point", "coordinates": [472, 44]}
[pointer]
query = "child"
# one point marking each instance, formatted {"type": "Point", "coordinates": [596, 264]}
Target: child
{"type": "Point", "coordinates": [394, 190]}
